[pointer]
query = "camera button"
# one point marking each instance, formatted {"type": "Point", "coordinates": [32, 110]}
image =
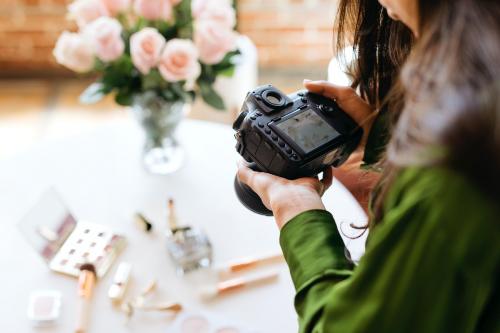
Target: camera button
{"type": "Point", "coordinates": [258, 114]}
{"type": "Point", "coordinates": [326, 108]}
{"type": "Point", "coordinates": [281, 143]}
{"type": "Point", "coordinates": [302, 107]}
{"type": "Point", "coordinates": [274, 137]}
{"type": "Point", "coordinates": [301, 94]}
{"type": "Point", "coordinates": [295, 157]}
{"type": "Point", "coordinates": [260, 124]}
{"type": "Point", "coordinates": [253, 117]}
{"type": "Point", "coordinates": [268, 131]}
{"type": "Point", "coordinates": [288, 150]}
{"type": "Point", "coordinates": [304, 100]}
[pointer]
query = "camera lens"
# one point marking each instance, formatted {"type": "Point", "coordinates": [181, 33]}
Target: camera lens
{"type": "Point", "coordinates": [273, 98]}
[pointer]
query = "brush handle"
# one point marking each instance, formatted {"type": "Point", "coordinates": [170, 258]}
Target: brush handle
{"type": "Point", "coordinates": [83, 315]}
{"type": "Point", "coordinates": [248, 263]}
{"type": "Point", "coordinates": [243, 282]}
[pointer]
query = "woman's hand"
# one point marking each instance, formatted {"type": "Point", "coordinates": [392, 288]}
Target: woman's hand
{"type": "Point", "coordinates": [349, 101]}
{"type": "Point", "coordinates": [359, 182]}
{"type": "Point", "coordinates": [286, 198]}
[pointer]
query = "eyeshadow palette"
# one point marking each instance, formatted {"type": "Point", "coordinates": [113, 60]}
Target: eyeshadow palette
{"type": "Point", "coordinates": [64, 243]}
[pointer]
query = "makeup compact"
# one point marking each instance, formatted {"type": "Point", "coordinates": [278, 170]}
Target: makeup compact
{"type": "Point", "coordinates": [203, 322]}
{"type": "Point", "coordinates": [44, 307]}
{"type": "Point", "coordinates": [65, 243]}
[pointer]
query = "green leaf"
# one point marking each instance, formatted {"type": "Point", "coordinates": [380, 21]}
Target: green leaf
{"type": "Point", "coordinates": [210, 96]}
{"type": "Point", "coordinates": [124, 97]}
{"type": "Point", "coordinates": [229, 72]}
{"type": "Point", "coordinates": [183, 19]}
{"type": "Point", "coordinates": [153, 80]}
{"type": "Point", "coordinates": [178, 89]}
{"type": "Point", "coordinates": [119, 74]}
{"type": "Point", "coordinates": [227, 61]}
{"type": "Point", "coordinates": [94, 93]}
{"type": "Point", "coordinates": [168, 95]}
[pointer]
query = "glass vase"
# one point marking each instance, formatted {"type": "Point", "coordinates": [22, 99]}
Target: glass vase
{"type": "Point", "coordinates": [159, 119]}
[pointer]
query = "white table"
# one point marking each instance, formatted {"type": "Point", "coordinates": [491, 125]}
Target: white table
{"type": "Point", "coordinates": [101, 178]}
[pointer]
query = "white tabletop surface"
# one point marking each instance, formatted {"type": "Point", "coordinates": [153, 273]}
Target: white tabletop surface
{"type": "Point", "coordinates": [100, 176]}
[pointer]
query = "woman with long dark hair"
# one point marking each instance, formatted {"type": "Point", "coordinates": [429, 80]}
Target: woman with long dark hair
{"type": "Point", "coordinates": [426, 90]}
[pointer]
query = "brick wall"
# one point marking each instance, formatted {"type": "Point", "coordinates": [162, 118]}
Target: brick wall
{"type": "Point", "coordinates": [287, 33]}
{"type": "Point", "coordinates": [28, 31]}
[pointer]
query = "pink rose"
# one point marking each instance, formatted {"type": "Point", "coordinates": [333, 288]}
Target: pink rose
{"type": "Point", "coordinates": [154, 9]}
{"type": "Point", "coordinates": [179, 61]}
{"type": "Point", "coordinates": [213, 40]}
{"type": "Point", "coordinates": [105, 33]}
{"type": "Point", "coordinates": [199, 6]}
{"type": "Point", "coordinates": [145, 49]}
{"type": "Point", "coordinates": [218, 10]}
{"type": "Point", "coordinates": [116, 6]}
{"type": "Point", "coordinates": [74, 51]}
{"type": "Point", "coordinates": [86, 11]}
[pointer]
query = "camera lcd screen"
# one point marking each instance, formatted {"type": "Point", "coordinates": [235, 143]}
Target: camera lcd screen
{"type": "Point", "coordinates": [308, 130]}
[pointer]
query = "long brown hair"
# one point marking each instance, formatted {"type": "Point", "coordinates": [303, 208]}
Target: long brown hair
{"type": "Point", "coordinates": [441, 90]}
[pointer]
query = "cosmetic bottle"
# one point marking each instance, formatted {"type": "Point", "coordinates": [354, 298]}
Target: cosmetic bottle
{"type": "Point", "coordinates": [189, 247]}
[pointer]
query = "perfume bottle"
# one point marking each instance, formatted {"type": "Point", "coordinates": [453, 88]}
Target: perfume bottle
{"type": "Point", "coordinates": [189, 247]}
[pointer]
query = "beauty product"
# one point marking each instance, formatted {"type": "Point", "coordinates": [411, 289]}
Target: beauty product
{"type": "Point", "coordinates": [188, 247]}
{"type": "Point", "coordinates": [204, 322]}
{"type": "Point", "coordinates": [139, 303]}
{"type": "Point", "coordinates": [44, 307]}
{"type": "Point", "coordinates": [120, 283]}
{"type": "Point", "coordinates": [66, 244]}
{"type": "Point", "coordinates": [86, 284]}
{"type": "Point", "coordinates": [245, 264]}
{"type": "Point", "coordinates": [143, 223]}
{"type": "Point", "coordinates": [166, 306]}
{"type": "Point", "coordinates": [226, 286]}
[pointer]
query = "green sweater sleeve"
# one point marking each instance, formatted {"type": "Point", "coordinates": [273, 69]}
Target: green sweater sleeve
{"type": "Point", "coordinates": [430, 264]}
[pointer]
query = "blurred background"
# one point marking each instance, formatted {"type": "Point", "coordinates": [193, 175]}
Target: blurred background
{"type": "Point", "coordinates": [39, 98]}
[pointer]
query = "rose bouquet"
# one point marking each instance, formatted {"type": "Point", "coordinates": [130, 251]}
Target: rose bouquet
{"type": "Point", "coordinates": [173, 48]}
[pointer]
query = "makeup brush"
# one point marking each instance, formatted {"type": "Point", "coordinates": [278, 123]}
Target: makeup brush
{"type": "Point", "coordinates": [247, 263]}
{"type": "Point", "coordinates": [86, 284]}
{"type": "Point", "coordinates": [237, 283]}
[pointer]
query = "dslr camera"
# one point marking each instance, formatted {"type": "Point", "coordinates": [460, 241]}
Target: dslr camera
{"type": "Point", "coordinates": [291, 136]}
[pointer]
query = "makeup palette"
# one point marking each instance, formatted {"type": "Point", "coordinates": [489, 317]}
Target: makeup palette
{"type": "Point", "coordinates": [66, 244]}
{"type": "Point", "coordinates": [202, 322]}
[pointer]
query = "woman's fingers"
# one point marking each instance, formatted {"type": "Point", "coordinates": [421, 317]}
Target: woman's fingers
{"type": "Point", "coordinates": [346, 98]}
{"type": "Point", "coordinates": [257, 181]}
{"type": "Point", "coordinates": [329, 90]}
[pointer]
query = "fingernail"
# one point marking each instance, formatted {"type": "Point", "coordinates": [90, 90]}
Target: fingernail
{"type": "Point", "coordinates": [307, 81]}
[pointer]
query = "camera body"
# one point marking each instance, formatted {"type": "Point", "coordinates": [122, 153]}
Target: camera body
{"type": "Point", "coordinates": [296, 135]}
